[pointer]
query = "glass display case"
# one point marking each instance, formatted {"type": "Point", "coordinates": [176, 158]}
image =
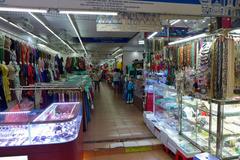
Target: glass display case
{"type": "Point", "coordinates": [166, 106]}
{"type": "Point", "coordinates": [212, 125]}
{"type": "Point", "coordinates": [197, 117]}
{"type": "Point", "coordinates": [59, 123]}
{"type": "Point", "coordinates": [228, 128]}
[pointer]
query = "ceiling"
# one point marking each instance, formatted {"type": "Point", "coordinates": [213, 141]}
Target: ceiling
{"type": "Point", "coordinates": [61, 25]}
{"type": "Point", "coordinates": [99, 45]}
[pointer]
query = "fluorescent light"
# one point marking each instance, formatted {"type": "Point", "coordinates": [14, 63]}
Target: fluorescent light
{"type": "Point", "coordinates": [152, 35]}
{"type": "Point", "coordinates": [236, 31]}
{"type": "Point", "coordinates": [116, 51]}
{"type": "Point", "coordinates": [141, 42]}
{"type": "Point", "coordinates": [79, 38]}
{"type": "Point", "coordinates": [88, 12]}
{"type": "Point", "coordinates": [188, 39]}
{"type": "Point", "coordinates": [42, 23]}
{"type": "Point", "coordinates": [119, 55]}
{"type": "Point", "coordinates": [175, 22]}
{"type": "Point", "coordinates": [10, 9]}
{"type": "Point", "coordinates": [18, 27]}
{"type": "Point", "coordinates": [46, 48]}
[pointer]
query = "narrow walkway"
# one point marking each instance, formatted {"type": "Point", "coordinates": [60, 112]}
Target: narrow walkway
{"type": "Point", "coordinates": [114, 120]}
{"type": "Point", "coordinates": [117, 131]}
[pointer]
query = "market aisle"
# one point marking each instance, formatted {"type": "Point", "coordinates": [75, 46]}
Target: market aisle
{"type": "Point", "coordinates": [114, 120]}
{"type": "Point", "coordinates": [116, 128]}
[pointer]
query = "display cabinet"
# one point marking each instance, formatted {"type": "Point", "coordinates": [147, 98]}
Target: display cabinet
{"type": "Point", "coordinates": [212, 125]}
{"type": "Point", "coordinates": [228, 128]}
{"type": "Point", "coordinates": [196, 123]}
{"type": "Point", "coordinates": [31, 133]}
{"type": "Point", "coordinates": [166, 106]}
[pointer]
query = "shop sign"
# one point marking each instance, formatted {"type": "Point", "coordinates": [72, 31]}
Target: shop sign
{"type": "Point", "coordinates": [130, 22]}
{"type": "Point", "coordinates": [14, 158]}
{"type": "Point", "coordinates": [176, 7]}
{"type": "Point", "coordinates": [229, 8]}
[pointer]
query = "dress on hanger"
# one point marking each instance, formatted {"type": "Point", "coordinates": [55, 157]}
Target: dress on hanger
{"type": "Point", "coordinates": [5, 81]}
{"type": "Point", "coordinates": [3, 103]}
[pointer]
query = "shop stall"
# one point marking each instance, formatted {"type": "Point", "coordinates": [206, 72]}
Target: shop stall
{"type": "Point", "coordinates": [202, 105]}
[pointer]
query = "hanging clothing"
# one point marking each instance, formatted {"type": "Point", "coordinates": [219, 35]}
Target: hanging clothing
{"type": "Point", "coordinates": [5, 81]}
{"type": "Point", "coordinates": [2, 39]}
{"type": "Point", "coordinates": [3, 103]}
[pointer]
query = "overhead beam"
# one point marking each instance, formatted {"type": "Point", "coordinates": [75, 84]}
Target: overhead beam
{"type": "Point", "coordinates": [75, 27]}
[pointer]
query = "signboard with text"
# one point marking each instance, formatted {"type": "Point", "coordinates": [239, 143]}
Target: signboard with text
{"type": "Point", "coordinates": [130, 22]}
{"type": "Point", "coordinates": [177, 7]}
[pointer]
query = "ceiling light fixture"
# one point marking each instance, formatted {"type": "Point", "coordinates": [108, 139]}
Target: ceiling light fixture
{"type": "Point", "coordinates": [88, 12]}
{"type": "Point", "coordinates": [119, 55]}
{"type": "Point", "coordinates": [46, 48]}
{"type": "Point", "coordinates": [152, 35]}
{"type": "Point", "coordinates": [141, 42]}
{"type": "Point", "coordinates": [20, 28]}
{"type": "Point", "coordinates": [175, 22]}
{"type": "Point", "coordinates": [119, 49]}
{"type": "Point", "coordinates": [42, 23]}
{"type": "Point", "coordinates": [77, 33]}
{"type": "Point", "coordinates": [33, 10]}
{"type": "Point", "coordinates": [188, 39]}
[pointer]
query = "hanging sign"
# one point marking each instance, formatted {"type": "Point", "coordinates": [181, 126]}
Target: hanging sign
{"type": "Point", "coordinates": [176, 7]}
{"type": "Point", "coordinates": [129, 22]}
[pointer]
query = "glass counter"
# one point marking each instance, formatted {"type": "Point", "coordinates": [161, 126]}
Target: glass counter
{"type": "Point", "coordinates": [59, 123]}
{"type": "Point", "coordinates": [166, 106]}
{"type": "Point", "coordinates": [212, 125]}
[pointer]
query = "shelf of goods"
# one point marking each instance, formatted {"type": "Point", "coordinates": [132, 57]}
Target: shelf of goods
{"type": "Point", "coordinates": [53, 133]}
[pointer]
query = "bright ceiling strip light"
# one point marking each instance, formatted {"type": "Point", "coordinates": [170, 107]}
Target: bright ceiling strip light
{"type": "Point", "coordinates": [88, 12]}
{"type": "Point", "coordinates": [175, 22]}
{"type": "Point", "coordinates": [119, 49]}
{"type": "Point", "coordinates": [33, 10]}
{"type": "Point", "coordinates": [119, 55]}
{"type": "Point", "coordinates": [42, 23]}
{"type": "Point", "coordinates": [152, 35]}
{"type": "Point", "coordinates": [44, 47]}
{"type": "Point", "coordinates": [75, 29]}
{"type": "Point", "coordinates": [16, 26]}
{"type": "Point", "coordinates": [188, 39]}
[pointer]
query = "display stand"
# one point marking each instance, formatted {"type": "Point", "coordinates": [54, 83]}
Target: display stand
{"type": "Point", "coordinates": [47, 136]}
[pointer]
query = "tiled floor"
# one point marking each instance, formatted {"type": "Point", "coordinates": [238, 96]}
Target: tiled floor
{"type": "Point", "coordinates": [115, 128]}
{"type": "Point", "coordinates": [150, 155]}
{"type": "Point", "coordinates": [113, 119]}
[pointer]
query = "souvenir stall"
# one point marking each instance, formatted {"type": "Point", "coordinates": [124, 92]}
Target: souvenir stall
{"type": "Point", "coordinates": [202, 108]}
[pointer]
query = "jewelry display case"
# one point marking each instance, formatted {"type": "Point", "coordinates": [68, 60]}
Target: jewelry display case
{"type": "Point", "coordinates": [55, 132]}
{"type": "Point", "coordinates": [212, 125]}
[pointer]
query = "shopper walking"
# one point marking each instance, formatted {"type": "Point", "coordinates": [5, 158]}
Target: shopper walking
{"type": "Point", "coordinates": [116, 79]}
{"type": "Point", "coordinates": [96, 79]}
